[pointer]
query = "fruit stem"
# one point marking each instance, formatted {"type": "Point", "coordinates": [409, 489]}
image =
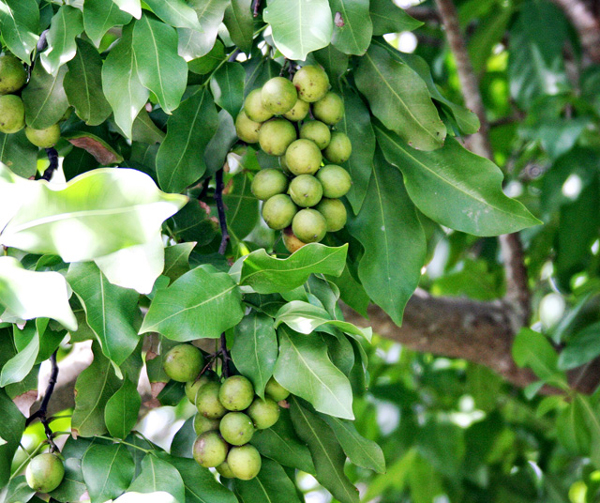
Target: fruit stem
{"type": "Point", "coordinates": [53, 158]}
{"type": "Point", "coordinates": [225, 358]}
{"type": "Point", "coordinates": [221, 211]}
{"type": "Point", "coordinates": [119, 441]}
{"type": "Point", "coordinates": [256, 7]}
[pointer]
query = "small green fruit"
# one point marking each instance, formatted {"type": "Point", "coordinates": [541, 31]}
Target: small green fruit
{"type": "Point", "coordinates": [45, 472]}
{"type": "Point", "coordinates": [329, 109]}
{"type": "Point", "coordinates": [12, 114]}
{"type": "Point", "coordinates": [276, 135]}
{"type": "Point", "coordinates": [236, 428]}
{"type": "Point", "coordinates": [269, 182]}
{"type": "Point", "coordinates": [312, 83]}
{"type": "Point", "coordinates": [298, 111]}
{"type": "Point", "coordinates": [254, 107]}
{"type": "Point", "coordinates": [12, 74]}
{"type": "Point", "coordinates": [43, 138]}
{"type": "Point", "coordinates": [203, 424]}
{"type": "Point", "coordinates": [246, 129]}
{"type": "Point", "coordinates": [316, 131]}
{"type": "Point", "coordinates": [306, 191]}
{"type": "Point", "coordinates": [225, 471]}
{"type": "Point", "coordinates": [290, 241]}
{"type": "Point", "coordinates": [336, 181]}
{"type": "Point", "coordinates": [303, 157]}
{"type": "Point", "coordinates": [209, 449]}
{"type": "Point", "coordinates": [309, 225]}
{"type": "Point", "coordinates": [192, 387]}
{"type": "Point", "coordinates": [278, 211]}
{"type": "Point", "coordinates": [207, 401]}
{"type": "Point", "coordinates": [278, 95]}
{"type": "Point", "coordinates": [275, 390]}
{"type": "Point", "coordinates": [339, 148]}
{"type": "Point", "coordinates": [334, 212]}
{"type": "Point", "coordinates": [245, 462]}
{"type": "Point", "coordinates": [183, 362]}
{"type": "Point", "coordinates": [264, 413]}
{"type": "Point", "coordinates": [236, 393]}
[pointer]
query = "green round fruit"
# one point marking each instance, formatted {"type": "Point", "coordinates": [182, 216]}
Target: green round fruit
{"type": "Point", "coordinates": [45, 472]}
{"type": "Point", "coordinates": [183, 362]}
{"type": "Point", "coordinates": [298, 111]}
{"type": "Point", "coordinates": [276, 135]}
{"type": "Point", "coordinates": [12, 74]}
{"type": "Point", "coordinates": [43, 138]}
{"type": "Point", "coordinates": [275, 390]}
{"type": "Point", "coordinates": [225, 471]}
{"type": "Point", "coordinates": [254, 107]}
{"type": "Point", "coordinates": [207, 401]}
{"type": "Point", "coordinates": [339, 148]}
{"type": "Point", "coordinates": [268, 183]}
{"type": "Point", "coordinates": [306, 191]}
{"type": "Point", "coordinates": [278, 211]}
{"type": "Point", "coordinates": [244, 462]}
{"type": "Point", "coordinates": [284, 166]}
{"type": "Point", "coordinates": [312, 83]}
{"type": "Point", "coordinates": [316, 131]}
{"type": "Point", "coordinates": [309, 225]}
{"type": "Point", "coordinates": [336, 181]}
{"type": "Point", "coordinates": [329, 109]}
{"type": "Point", "coordinates": [236, 393]}
{"type": "Point", "coordinates": [278, 95]}
{"type": "Point", "coordinates": [264, 413]}
{"type": "Point", "coordinates": [12, 114]}
{"type": "Point", "coordinates": [246, 129]}
{"type": "Point", "coordinates": [303, 157]}
{"type": "Point", "coordinates": [290, 241]}
{"type": "Point", "coordinates": [334, 212]}
{"type": "Point", "coordinates": [192, 387]}
{"type": "Point", "coordinates": [210, 449]}
{"type": "Point", "coordinates": [236, 428]}
{"type": "Point", "coordinates": [203, 424]}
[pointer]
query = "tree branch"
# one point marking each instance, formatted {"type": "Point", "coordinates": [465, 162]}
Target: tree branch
{"type": "Point", "coordinates": [585, 23]}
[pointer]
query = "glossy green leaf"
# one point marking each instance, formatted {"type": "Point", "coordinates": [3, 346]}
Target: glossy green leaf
{"type": "Point", "coordinates": [175, 13]}
{"type": "Point", "coordinates": [19, 24]}
{"type": "Point", "coordinates": [534, 350]}
{"type": "Point", "coordinates": [122, 409]}
{"type": "Point", "coordinates": [219, 145]}
{"type": "Point", "coordinates": [99, 16]}
{"type": "Point", "coordinates": [387, 17]}
{"type": "Point", "coordinates": [271, 484]}
{"type": "Point", "coordinates": [11, 430]}
{"type": "Point", "coordinates": [456, 188]}
{"type": "Point", "coordinates": [158, 475]}
{"type": "Point", "coordinates": [179, 161]}
{"type": "Point", "coordinates": [266, 274]}
{"type": "Point", "coordinates": [18, 153]}
{"type": "Point", "coordinates": [400, 99]}
{"type": "Point", "coordinates": [240, 23]}
{"type": "Point", "coordinates": [18, 367]}
{"type": "Point", "coordinates": [227, 86]}
{"type": "Point", "coordinates": [581, 348]}
{"type": "Point", "coordinates": [195, 44]}
{"type": "Point", "coordinates": [241, 207]}
{"type": "Point", "coordinates": [304, 368]}
{"type": "Point", "coordinates": [133, 7]}
{"type": "Point", "coordinates": [67, 23]}
{"type": "Point", "coordinates": [107, 471]}
{"type": "Point", "coordinates": [352, 27]}
{"type": "Point", "coordinates": [299, 27]}
{"type": "Point", "coordinates": [44, 98]}
{"type": "Point", "coordinates": [201, 303]}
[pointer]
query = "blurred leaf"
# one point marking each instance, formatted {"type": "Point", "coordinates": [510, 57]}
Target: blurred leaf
{"type": "Point", "coordinates": [352, 292]}
{"type": "Point", "coordinates": [334, 62]}
{"type": "Point", "coordinates": [534, 350]}
{"type": "Point", "coordinates": [581, 348]}
{"type": "Point", "coordinates": [490, 31]}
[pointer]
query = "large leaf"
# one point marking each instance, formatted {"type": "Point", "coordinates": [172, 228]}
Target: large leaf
{"type": "Point", "coordinates": [299, 27]}
{"type": "Point", "coordinates": [99, 16]}
{"type": "Point", "coordinates": [456, 187]}
{"type": "Point", "coordinates": [227, 86]}
{"type": "Point", "coordinates": [387, 17]}
{"type": "Point", "coordinates": [107, 471]}
{"type": "Point", "coordinates": [271, 484]}
{"type": "Point", "coordinates": [240, 23]}
{"type": "Point", "coordinates": [122, 409]}
{"type": "Point", "coordinates": [352, 28]}
{"type": "Point", "coordinates": [67, 23]}
{"type": "Point", "coordinates": [44, 98]}
{"type": "Point", "coordinates": [18, 153]}
{"type": "Point", "coordinates": [304, 368]}
{"type": "Point", "coordinates": [19, 24]}
{"type": "Point", "coordinates": [11, 430]}
{"type": "Point", "coordinates": [581, 348]}
{"type": "Point", "coordinates": [400, 99]}
{"type": "Point", "coordinates": [158, 475]}
{"type": "Point", "coordinates": [195, 44]}
{"type": "Point", "coordinates": [201, 303]}
{"type": "Point", "coordinates": [175, 13]}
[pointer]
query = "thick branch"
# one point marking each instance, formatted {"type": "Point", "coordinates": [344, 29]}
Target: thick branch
{"type": "Point", "coordinates": [585, 23]}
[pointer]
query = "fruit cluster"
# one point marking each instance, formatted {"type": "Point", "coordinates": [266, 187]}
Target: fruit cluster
{"type": "Point", "coordinates": [12, 110]}
{"type": "Point", "coordinates": [303, 194]}
{"type": "Point", "coordinates": [228, 413]}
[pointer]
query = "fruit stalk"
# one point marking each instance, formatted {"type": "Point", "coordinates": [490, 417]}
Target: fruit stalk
{"type": "Point", "coordinates": [53, 158]}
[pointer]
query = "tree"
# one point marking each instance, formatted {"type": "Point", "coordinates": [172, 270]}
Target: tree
{"type": "Point", "coordinates": [138, 232]}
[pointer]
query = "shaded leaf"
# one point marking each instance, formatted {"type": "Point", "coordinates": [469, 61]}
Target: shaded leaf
{"type": "Point", "coordinates": [44, 98]}
{"type": "Point", "coordinates": [107, 471]}
{"type": "Point", "coordinates": [227, 86]}
{"type": "Point", "coordinates": [102, 151]}
{"type": "Point", "coordinates": [581, 348]}
{"type": "Point", "coordinates": [241, 207]}
{"type": "Point", "coordinates": [18, 153]}
{"type": "Point", "coordinates": [122, 409]}
{"type": "Point", "coordinates": [240, 23]}
{"type": "Point", "coordinates": [534, 350]}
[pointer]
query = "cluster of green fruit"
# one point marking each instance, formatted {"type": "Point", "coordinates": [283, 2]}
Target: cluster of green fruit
{"type": "Point", "coordinates": [302, 194]}
{"type": "Point", "coordinates": [13, 77]}
{"type": "Point", "coordinates": [228, 413]}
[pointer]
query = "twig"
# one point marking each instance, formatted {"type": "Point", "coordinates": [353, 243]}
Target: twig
{"type": "Point", "coordinates": [53, 158]}
{"type": "Point", "coordinates": [225, 357]}
{"type": "Point", "coordinates": [221, 211]}
{"type": "Point", "coordinates": [256, 8]}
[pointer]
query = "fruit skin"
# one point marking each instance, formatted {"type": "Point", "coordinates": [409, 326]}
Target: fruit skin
{"type": "Point", "coordinates": [245, 462]}
{"type": "Point", "coordinates": [329, 109]}
{"type": "Point", "coordinates": [279, 211]}
{"type": "Point", "coordinates": [316, 131]}
{"type": "Point", "coordinates": [12, 74]}
{"type": "Point", "coordinates": [276, 135]}
{"type": "Point", "coordinates": [45, 472]}
{"type": "Point", "coordinates": [254, 108]}
{"type": "Point", "coordinates": [246, 129]}
{"type": "Point", "coordinates": [43, 138]}
{"type": "Point", "coordinates": [207, 401]}
{"type": "Point", "coordinates": [306, 191]}
{"type": "Point", "coordinates": [275, 390]}
{"type": "Point", "coordinates": [236, 393]}
{"type": "Point", "coordinates": [12, 114]}
{"type": "Point", "coordinates": [183, 362]}
{"type": "Point", "coordinates": [192, 387]}
{"type": "Point", "coordinates": [236, 428]}
{"type": "Point", "coordinates": [298, 112]}
{"type": "Point", "coordinates": [309, 225]}
{"type": "Point", "coordinates": [339, 148]}
{"type": "Point", "coordinates": [290, 241]}
{"type": "Point", "coordinates": [225, 471]}
{"type": "Point", "coordinates": [334, 212]}
{"type": "Point", "coordinates": [203, 424]}
{"type": "Point", "coordinates": [210, 449]}
{"type": "Point", "coordinates": [336, 181]}
{"type": "Point", "coordinates": [265, 413]}
{"type": "Point", "coordinates": [268, 183]}
{"type": "Point", "coordinates": [278, 95]}
{"type": "Point", "coordinates": [303, 157]}
{"type": "Point", "coordinates": [312, 83]}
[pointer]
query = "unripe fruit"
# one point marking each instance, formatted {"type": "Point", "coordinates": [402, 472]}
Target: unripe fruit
{"type": "Point", "coordinates": [290, 241]}
{"type": "Point", "coordinates": [298, 111]}
{"type": "Point", "coordinates": [254, 107]}
{"type": "Point", "coordinates": [192, 387]}
{"type": "Point", "coordinates": [264, 413]}
{"type": "Point", "coordinates": [306, 191]}
{"type": "Point", "coordinates": [309, 225]}
{"type": "Point", "coordinates": [339, 148]}
{"type": "Point", "coordinates": [209, 449]}
{"type": "Point", "coordinates": [12, 74]}
{"type": "Point", "coordinates": [225, 471]}
{"type": "Point", "coordinates": [236, 393]}
{"type": "Point", "coordinates": [278, 211]}
{"type": "Point", "coordinates": [334, 212]}
{"type": "Point", "coordinates": [43, 138]}
{"type": "Point", "coordinates": [244, 462]}
{"type": "Point", "coordinates": [183, 362]}
{"type": "Point", "coordinates": [276, 135]}
{"type": "Point", "coordinates": [45, 472]}
{"type": "Point", "coordinates": [329, 109]}
{"type": "Point", "coordinates": [284, 166]}
{"type": "Point", "coordinates": [207, 401]}
{"type": "Point", "coordinates": [269, 182]}
{"type": "Point", "coordinates": [336, 181]}
{"type": "Point", "coordinates": [312, 83]}
{"type": "Point", "coordinates": [246, 129]}
{"type": "Point", "coordinates": [203, 424]}
{"type": "Point", "coordinates": [12, 114]}
{"type": "Point", "coordinates": [316, 131]}
{"type": "Point", "coordinates": [275, 390]}
{"type": "Point", "coordinates": [303, 157]}
{"type": "Point", "coordinates": [236, 428]}
{"type": "Point", "coordinates": [278, 95]}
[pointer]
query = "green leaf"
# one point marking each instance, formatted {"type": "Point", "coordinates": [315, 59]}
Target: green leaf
{"type": "Point", "coordinates": [175, 13]}
{"type": "Point", "coordinates": [254, 349]}
{"type": "Point", "coordinates": [591, 417]}
{"type": "Point", "coordinates": [202, 303]}
{"type": "Point", "coordinates": [83, 85]}
{"type": "Point", "coordinates": [122, 409]}
{"type": "Point", "coordinates": [179, 161]}
{"type": "Point", "coordinates": [387, 17]}
{"type": "Point", "coordinates": [107, 471]}
{"type": "Point", "coordinates": [333, 61]}
{"type": "Point", "coordinates": [533, 349]}
{"type": "Point", "coordinates": [19, 24]}
{"type": "Point", "coordinates": [581, 348]}
{"type": "Point", "coordinates": [241, 207]}
{"type": "Point", "coordinates": [352, 292]}
{"type": "Point", "coordinates": [571, 428]}
{"type": "Point", "coordinates": [395, 248]}
{"type": "Point", "coordinates": [177, 260]}
{"type": "Point", "coordinates": [352, 28]}
{"type": "Point", "coordinates": [44, 98]}
{"type": "Point", "coordinates": [299, 28]}
{"type": "Point", "coordinates": [121, 83]}
{"type": "Point", "coordinates": [266, 274]}
{"type": "Point", "coordinates": [99, 16]}
{"type": "Point", "coordinates": [132, 7]}
{"type": "Point", "coordinates": [72, 487]}
{"type": "Point", "coordinates": [195, 44]}
{"type": "Point", "coordinates": [326, 452]}
{"type": "Point", "coordinates": [304, 368]}
{"type": "Point", "coordinates": [18, 367]}
{"type": "Point", "coordinates": [218, 147]}
{"type": "Point", "coordinates": [16, 490]}
{"type": "Point", "coordinates": [158, 475]}
{"type": "Point", "coordinates": [184, 439]}
{"type": "Point", "coordinates": [240, 23]}
{"type": "Point", "coordinates": [159, 67]}
{"type": "Point", "coordinates": [11, 430]}
{"type": "Point", "coordinates": [145, 131]}
{"type": "Point", "coordinates": [490, 31]}
{"type": "Point", "coordinates": [67, 23]}
{"type": "Point", "coordinates": [400, 99]}
{"type": "Point", "coordinates": [18, 153]}
{"type": "Point", "coordinates": [227, 86]}
{"type": "Point", "coordinates": [271, 484]}
{"type": "Point", "coordinates": [456, 188]}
